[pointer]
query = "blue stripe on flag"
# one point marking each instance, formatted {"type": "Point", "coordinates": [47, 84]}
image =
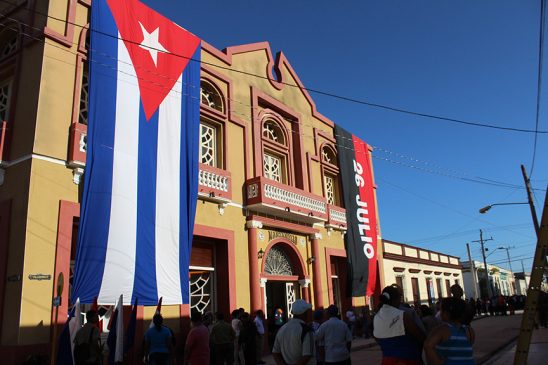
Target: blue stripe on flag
{"type": "Point", "coordinates": [95, 210]}
{"type": "Point", "coordinates": [190, 119]}
{"type": "Point", "coordinates": [144, 286]}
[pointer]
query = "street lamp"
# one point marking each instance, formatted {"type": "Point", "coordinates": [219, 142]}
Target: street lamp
{"type": "Point", "coordinates": [487, 207]}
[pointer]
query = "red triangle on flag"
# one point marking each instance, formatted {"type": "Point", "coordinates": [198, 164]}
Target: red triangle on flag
{"type": "Point", "coordinates": [159, 49]}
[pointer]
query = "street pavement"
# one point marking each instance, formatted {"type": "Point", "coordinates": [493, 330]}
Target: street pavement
{"type": "Point", "coordinates": [538, 351]}
{"type": "Point", "coordinates": [493, 335]}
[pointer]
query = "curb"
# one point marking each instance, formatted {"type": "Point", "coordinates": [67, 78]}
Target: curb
{"type": "Point", "coordinates": [364, 346]}
{"type": "Point", "coordinates": [486, 358]}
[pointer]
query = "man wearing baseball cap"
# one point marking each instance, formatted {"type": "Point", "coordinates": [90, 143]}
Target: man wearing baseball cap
{"type": "Point", "coordinates": [294, 343]}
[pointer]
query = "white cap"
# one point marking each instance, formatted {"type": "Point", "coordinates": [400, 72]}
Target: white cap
{"type": "Point", "coordinates": [300, 306]}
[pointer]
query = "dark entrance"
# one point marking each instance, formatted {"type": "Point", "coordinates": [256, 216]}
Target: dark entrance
{"type": "Point", "coordinates": [276, 298]}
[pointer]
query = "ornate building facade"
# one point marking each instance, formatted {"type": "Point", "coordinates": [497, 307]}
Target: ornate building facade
{"type": "Point", "coordinates": [424, 275]}
{"type": "Point", "coordinates": [269, 222]}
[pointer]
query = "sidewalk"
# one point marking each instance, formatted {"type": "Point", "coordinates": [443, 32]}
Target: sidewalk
{"type": "Point", "coordinates": [538, 351]}
{"type": "Point", "coordinates": [358, 343]}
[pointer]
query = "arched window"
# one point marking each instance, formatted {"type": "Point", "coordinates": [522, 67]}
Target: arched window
{"type": "Point", "coordinates": [211, 96]}
{"type": "Point", "coordinates": [330, 172]}
{"type": "Point", "coordinates": [273, 132]}
{"type": "Point", "coordinates": [275, 151]}
{"type": "Point", "coordinates": [278, 263]}
{"type": "Point", "coordinates": [211, 127]}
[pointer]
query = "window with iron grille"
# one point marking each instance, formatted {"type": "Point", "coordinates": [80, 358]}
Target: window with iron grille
{"type": "Point", "coordinates": [84, 94]}
{"type": "Point", "coordinates": [273, 167]}
{"type": "Point", "coordinates": [201, 290]}
{"type": "Point", "coordinates": [5, 94]}
{"type": "Point", "coordinates": [330, 189]}
{"type": "Point", "coordinates": [208, 144]}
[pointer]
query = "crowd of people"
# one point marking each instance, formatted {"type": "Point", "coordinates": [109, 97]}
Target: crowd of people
{"type": "Point", "coordinates": [407, 335]}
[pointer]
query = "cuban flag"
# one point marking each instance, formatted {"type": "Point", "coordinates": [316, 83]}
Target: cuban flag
{"type": "Point", "coordinates": [141, 178]}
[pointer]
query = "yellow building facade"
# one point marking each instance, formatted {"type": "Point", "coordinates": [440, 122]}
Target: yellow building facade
{"type": "Point", "coordinates": [269, 223]}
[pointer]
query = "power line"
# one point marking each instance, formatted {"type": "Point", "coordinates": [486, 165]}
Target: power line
{"type": "Point", "coordinates": [319, 92]}
{"type": "Point", "coordinates": [539, 81]}
{"type": "Point", "coordinates": [452, 173]}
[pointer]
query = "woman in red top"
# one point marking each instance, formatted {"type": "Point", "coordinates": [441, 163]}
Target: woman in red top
{"type": "Point", "coordinates": [197, 342]}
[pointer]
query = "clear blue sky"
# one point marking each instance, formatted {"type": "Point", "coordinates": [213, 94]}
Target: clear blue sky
{"type": "Point", "coordinates": [471, 60]}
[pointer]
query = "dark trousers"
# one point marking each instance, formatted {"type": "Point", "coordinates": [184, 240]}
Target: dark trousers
{"type": "Point", "coordinates": [344, 362]}
{"type": "Point", "coordinates": [224, 353]}
{"type": "Point", "coordinates": [158, 358]}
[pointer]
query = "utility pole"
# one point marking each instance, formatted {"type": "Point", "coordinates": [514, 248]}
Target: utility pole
{"type": "Point", "coordinates": [535, 282]}
{"type": "Point", "coordinates": [530, 199]}
{"type": "Point", "coordinates": [488, 284]}
{"type": "Point", "coordinates": [473, 269]}
{"type": "Point", "coordinates": [507, 248]}
{"type": "Point", "coordinates": [524, 274]}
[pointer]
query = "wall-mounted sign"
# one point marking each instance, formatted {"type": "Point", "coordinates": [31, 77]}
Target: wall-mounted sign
{"type": "Point", "coordinates": [276, 234]}
{"type": "Point", "coordinates": [39, 277]}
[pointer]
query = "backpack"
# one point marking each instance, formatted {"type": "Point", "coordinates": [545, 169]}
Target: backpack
{"type": "Point", "coordinates": [82, 351]}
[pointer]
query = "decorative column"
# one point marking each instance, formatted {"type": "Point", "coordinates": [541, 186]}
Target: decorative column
{"type": "Point", "coordinates": [254, 282]}
{"type": "Point", "coordinates": [316, 278]}
{"type": "Point", "coordinates": [304, 283]}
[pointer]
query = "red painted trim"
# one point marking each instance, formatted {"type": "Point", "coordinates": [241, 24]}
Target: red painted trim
{"type": "Point", "coordinates": [328, 137]}
{"type": "Point", "coordinates": [317, 278]}
{"type": "Point", "coordinates": [67, 212]}
{"type": "Point", "coordinates": [280, 61]}
{"type": "Point", "coordinates": [254, 284]}
{"type": "Point", "coordinates": [3, 142]}
{"type": "Point", "coordinates": [270, 222]}
{"type": "Point", "coordinates": [328, 253]}
{"type": "Point", "coordinates": [309, 169]}
{"type": "Point", "coordinates": [67, 38]}
{"type": "Point", "coordinates": [291, 250]}
{"type": "Point", "coordinates": [5, 218]}
{"type": "Point", "coordinates": [214, 75]}
{"type": "Point", "coordinates": [280, 277]}
{"type": "Point", "coordinates": [82, 40]}
{"type": "Point", "coordinates": [296, 162]}
{"type": "Point", "coordinates": [223, 234]}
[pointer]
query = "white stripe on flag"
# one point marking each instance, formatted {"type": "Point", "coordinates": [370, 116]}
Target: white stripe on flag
{"type": "Point", "coordinates": [167, 197]}
{"type": "Point", "coordinates": [121, 247]}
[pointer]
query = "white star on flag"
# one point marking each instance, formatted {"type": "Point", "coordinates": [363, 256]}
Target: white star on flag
{"type": "Point", "coordinates": [151, 43]}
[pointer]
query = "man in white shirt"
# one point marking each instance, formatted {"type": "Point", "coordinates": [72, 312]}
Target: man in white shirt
{"type": "Point", "coordinates": [335, 338]}
{"type": "Point", "coordinates": [294, 343]}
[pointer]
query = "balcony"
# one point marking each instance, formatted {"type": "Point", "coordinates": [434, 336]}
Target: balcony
{"type": "Point", "coordinates": [336, 218]}
{"type": "Point", "coordinates": [214, 184]}
{"type": "Point", "coordinates": [271, 197]}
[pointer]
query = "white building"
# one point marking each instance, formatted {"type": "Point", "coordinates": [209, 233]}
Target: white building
{"type": "Point", "coordinates": [522, 282]}
{"type": "Point", "coordinates": [501, 280]}
{"type": "Point", "coordinates": [424, 275]}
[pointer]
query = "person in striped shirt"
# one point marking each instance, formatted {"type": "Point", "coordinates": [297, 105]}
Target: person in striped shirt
{"type": "Point", "coordinates": [451, 343]}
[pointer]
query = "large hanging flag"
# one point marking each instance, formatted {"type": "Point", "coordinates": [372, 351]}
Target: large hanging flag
{"type": "Point", "coordinates": [141, 179]}
{"type": "Point", "coordinates": [360, 239]}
